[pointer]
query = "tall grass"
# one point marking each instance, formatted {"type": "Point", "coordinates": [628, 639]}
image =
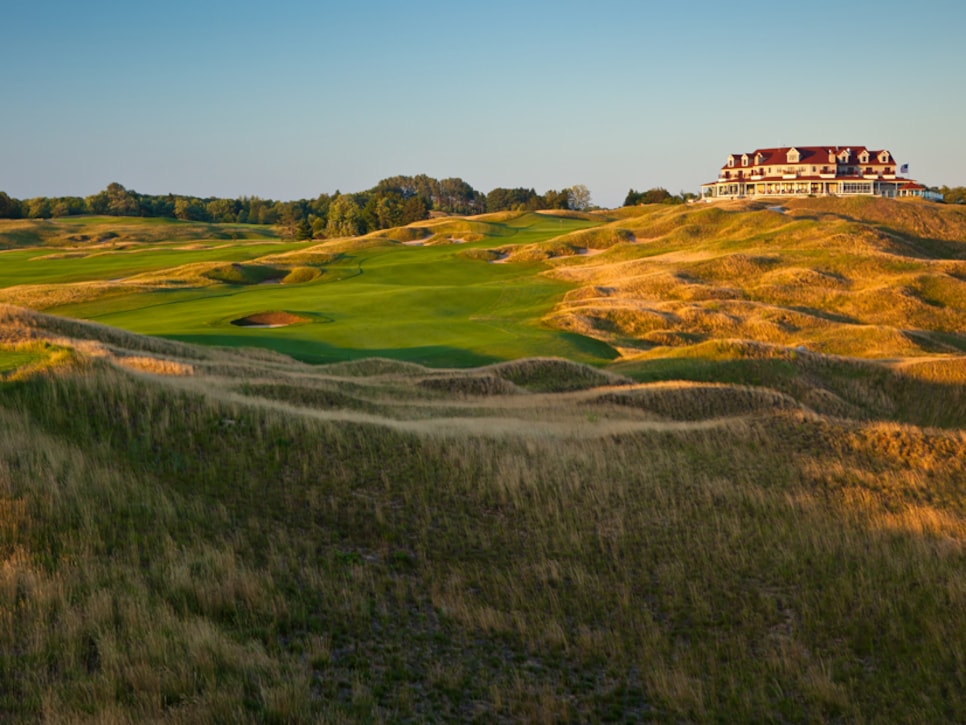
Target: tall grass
{"type": "Point", "coordinates": [184, 548]}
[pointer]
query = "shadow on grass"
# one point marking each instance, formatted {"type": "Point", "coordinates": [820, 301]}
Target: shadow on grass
{"type": "Point", "coordinates": [851, 388]}
{"type": "Point", "coordinates": [570, 345]}
{"type": "Point", "coordinates": [317, 352]}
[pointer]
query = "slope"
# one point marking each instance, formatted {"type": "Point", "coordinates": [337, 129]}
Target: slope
{"type": "Point", "coordinates": [202, 534]}
{"type": "Point", "coordinates": [861, 277]}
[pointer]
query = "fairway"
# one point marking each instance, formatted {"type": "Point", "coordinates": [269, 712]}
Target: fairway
{"type": "Point", "coordinates": [651, 287]}
{"type": "Point", "coordinates": [436, 305]}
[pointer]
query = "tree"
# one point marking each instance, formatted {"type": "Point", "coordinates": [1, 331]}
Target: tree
{"type": "Point", "coordinates": [414, 209]}
{"type": "Point", "coordinates": [221, 210]}
{"type": "Point", "coordinates": [67, 206]}
{"type": "Point", "coordinates": [120, 201]}
{"type": "Point", "coordinates": [953, 195]}
{"type": "Point", "coordinates": [578, 197]}
{"type": "Point", "coordinates": [303, 230]}
{"type": "Point", "coordinates": [553, 199]}
{"type": "Point", "coordinates": [458, 197]}
{"type": "Point", "coordinates": [38, 208]}
{"type": "Point", "coordinates": [9, 207]}
{"type": "Point", "coordinates": [345, 217]}
{"type": "Point", "coordinates": [317, 225]}
{"type": "Point", "coordinates": [97, 203]}
{"type": "Point", "coordinates": [388, 210]}
{"type": "Point", "coordinates": [189, 210]}
{"type": "Point", "coordinates": [656, 195]}
{"type": "Point", "coordinates": [500, 199]}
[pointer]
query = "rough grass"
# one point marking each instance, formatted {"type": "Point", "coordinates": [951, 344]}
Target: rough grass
{"type": "Point", "coordinates": [245, 274]}
{"type": "Point", "coordinates": [757, 513]}
{"type": "Point", "coordinates": [91, 232]}
{"type": "Point", "coordinates": [554, 375]}
{"type": "Point", "coordinates": [250, 539]}
{"type": "Point", "coordinates": [869, 278]}
{"type": "Point", "coordinates": [301, 275]}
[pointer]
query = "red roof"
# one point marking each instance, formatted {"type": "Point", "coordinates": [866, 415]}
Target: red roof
{"type": "Point", "coordinates": [810, 155]}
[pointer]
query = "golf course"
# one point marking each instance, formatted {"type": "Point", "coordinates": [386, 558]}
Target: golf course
{"type": "Point", "coordinates": [437, 304]}
{"type": "Point", "coordinates": [677, 463]}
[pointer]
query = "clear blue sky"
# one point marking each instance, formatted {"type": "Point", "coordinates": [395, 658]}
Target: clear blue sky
{"type": "Point", "coordinates": [292, 98]}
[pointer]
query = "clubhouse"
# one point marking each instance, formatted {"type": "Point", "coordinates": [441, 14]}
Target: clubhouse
{"type": "Point", "coordinates": [812, 171]}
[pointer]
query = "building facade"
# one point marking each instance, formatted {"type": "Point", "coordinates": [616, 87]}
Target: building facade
{"type": "Point", "coordinates": [811, 171]}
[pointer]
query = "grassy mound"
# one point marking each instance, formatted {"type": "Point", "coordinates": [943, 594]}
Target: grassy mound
{"type": "Point", "coordinates": [406, 234]}
{"type": "Point", "coordinates": [246, 274]}
{"type": "Point", "coordinates": [301, 275]}
{"type": "Point", "coordinates": [91, 232]}
{"type": "Point", "coordinates": [689, 401]}
{"type": "Point", "coordinates": [369, 367]}
{"type": "Point", "coordinates": [553, 375]}
{"type": "Point", "coordinates": [862, 277]}
{"type": "Point", "coordinates": [469, 385]}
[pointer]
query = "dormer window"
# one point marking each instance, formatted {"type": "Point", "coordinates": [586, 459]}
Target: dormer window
{"type": "Point", "coordinates": [793, 156]}
{"type": "Point", "coordinates": [759, 158]}
{"type": "Point", "coordinates": [744, 159]}
{"type": "Point", "coordinates": [844, 155]}
{"type": "Point", "coordinates": [731, 162]}
{"type": "Point", "coordinates": [864, 157]}
{"type": "Point", "coordinates": [884, 157]}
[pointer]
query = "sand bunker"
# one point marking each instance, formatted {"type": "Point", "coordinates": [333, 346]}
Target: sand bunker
{"type": "Point", "coordinates": [269, 319]}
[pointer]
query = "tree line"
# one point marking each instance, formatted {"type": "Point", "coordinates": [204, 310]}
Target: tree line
{"type": "Point", "coordinates": [656, 195]}
{"type": "Point", "coordinates": [396, 201]}
{"type": "Point", "coordinates": [952, 195]}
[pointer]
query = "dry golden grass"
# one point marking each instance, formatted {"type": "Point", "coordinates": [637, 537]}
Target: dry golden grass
{"type": "Point", "coordinates": [872, 278]}
{"type": "Point", "coordinates": [154, 365]}
{"type": "Point", "coordinates": [238, 537]}
{"type": "Point", "coordinates": [91, 233]}
{"type": "Point", "coordinates": [42, 297]}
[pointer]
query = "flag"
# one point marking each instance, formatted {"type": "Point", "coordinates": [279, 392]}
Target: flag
{"type": "Point", "coordinates": [904, 169]}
